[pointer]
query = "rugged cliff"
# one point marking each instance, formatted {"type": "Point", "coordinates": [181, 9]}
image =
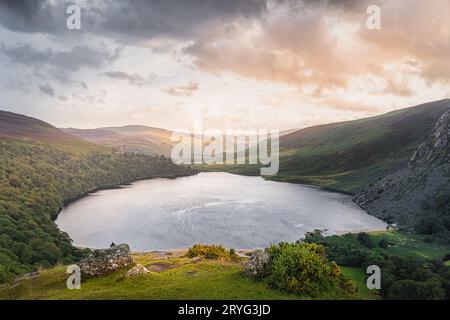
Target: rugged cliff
{"type": "Point", "coordinates": [417, 194]}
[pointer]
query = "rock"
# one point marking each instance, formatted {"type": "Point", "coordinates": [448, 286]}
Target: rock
{"type": "Point", "coordinates": [104, 261]}
{"type": "Point", "coordinates": [435, 149]}
{"type": "Point", "coordinates": [137, 270]}
{"type": "Point", "coordinates": [399, 197]}
{"type": "Point", "coordinates": [256, 266]}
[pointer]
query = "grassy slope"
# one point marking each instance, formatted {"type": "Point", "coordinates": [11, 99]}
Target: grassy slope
{"type": "Point", "coordinates": [359, 278]}
{"type": "Point", "coordinates": [349, 155]}
{"type": "Point", "coordinates": [413, 245]}
{"type": "Point", "coordinates": [184, 279]}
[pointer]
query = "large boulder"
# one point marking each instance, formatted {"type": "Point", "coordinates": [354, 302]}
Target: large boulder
{"type": "Point", "coordinates": [104, 261]}
{"type": "Point", "coordinates": [257, 265]}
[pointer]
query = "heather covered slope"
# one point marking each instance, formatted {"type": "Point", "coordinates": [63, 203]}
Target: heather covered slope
{"type": "Point", "coordinates": [136, 139]}
{"type": "Point", "coordinates": [349, 155]}
{"type": "Point", "coordinates": [13, 125]}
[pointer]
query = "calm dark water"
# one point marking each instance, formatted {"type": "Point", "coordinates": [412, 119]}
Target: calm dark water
{"type": "Point", "coordinates": [221, 208]}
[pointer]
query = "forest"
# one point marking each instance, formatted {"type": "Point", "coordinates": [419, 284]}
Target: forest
{"type": "Point", "coordinates": [38, 179]}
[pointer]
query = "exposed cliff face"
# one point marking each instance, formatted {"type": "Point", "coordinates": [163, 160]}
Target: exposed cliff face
{"type": "Point", "coordinates": [435, 150]}
{"type": "Point", "coordinates": [399, 197]}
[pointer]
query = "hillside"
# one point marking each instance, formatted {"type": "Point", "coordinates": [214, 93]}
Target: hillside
{"type": "Point", "coordinates": [132, 139]}
{"type": "Point", "coordinates": [418, 195]}
{"type": "Point", "coordinates": [347, 156]}
{"type": "Point", "coordinates": [39, 173]}
{"type": "Point", "coordinates": [15, 125]}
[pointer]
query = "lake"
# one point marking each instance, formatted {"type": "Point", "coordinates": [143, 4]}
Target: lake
{"type": "Point", "coordinates": [237, 211]}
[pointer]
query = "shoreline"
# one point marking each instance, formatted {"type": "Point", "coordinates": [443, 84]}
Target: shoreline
{"type": "Point", "coordinates": [238, 250]}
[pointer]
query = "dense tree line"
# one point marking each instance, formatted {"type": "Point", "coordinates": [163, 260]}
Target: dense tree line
{"type": "Point", "coordinates": [435, 222]}
{"type": "Point", "coordinates": [36, 180]}
{"type": "Point", "coordinates": [403, 276]}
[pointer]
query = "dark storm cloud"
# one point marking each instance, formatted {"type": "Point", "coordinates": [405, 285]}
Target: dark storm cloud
{"type": "Point", "coordinates": [134, 20]}
{"type": "Point", "coordinates": [33, 15]}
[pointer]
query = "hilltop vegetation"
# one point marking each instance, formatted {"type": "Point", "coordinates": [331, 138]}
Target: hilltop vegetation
{"type": "Point", "coordinates": [38, 177]}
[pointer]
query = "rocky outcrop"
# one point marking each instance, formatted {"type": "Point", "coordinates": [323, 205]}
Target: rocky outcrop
{"type": "Point", "coordinates": [104, 261]}
{"type": "Point", "coordinates": [399, 197]}
{"type": "Point", "coordinates": [435, 150]}
{"type": "Point", "coordinates": [137, 270]}
{"type": "Point", "coordinates": [256, 266]}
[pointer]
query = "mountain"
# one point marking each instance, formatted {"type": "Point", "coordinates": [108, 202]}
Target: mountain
{"type": "Point", "coordinates": [15, 125]}
{"type": "Point", "coordinates": [131, 139]}
{"type": "Point", "coordinates": [349, 155]}
{"type": "Point", "coordinates": [418, 195]}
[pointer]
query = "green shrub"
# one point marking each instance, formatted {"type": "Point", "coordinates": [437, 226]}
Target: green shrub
{"type": "Point", "coordinates": [213, 252]}
{"type": "Point", "coordinates": [413, 290]}
{"type": "Point", "coordinates": [303, 269]}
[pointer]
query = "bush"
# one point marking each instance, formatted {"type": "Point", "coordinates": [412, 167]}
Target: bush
{"type": "Point", "coordinates": [303, 269]}
{"type": "Point", "coordinates": [413, 290]}
{"type": "Point", "coordinates": [213, 252]}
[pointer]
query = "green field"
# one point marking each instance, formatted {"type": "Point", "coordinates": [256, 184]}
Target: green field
{"type": "Point", "coordinates": [407, 244]}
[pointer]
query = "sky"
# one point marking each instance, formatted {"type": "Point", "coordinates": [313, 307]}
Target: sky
{"type": "Point", "coordinates": [269, 64]}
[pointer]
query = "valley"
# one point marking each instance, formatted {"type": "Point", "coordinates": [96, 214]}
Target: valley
{"type": "Point", "coordinates": [43, 168]}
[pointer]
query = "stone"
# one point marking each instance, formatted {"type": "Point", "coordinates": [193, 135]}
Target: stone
{"type": "Point", "coordinates": [256, 266]}
{"type": "Point", "coordinates": [104, 261]}
{"type": "Point", "coordinates": [435, 149]}
{"type": "Point", "coordinates": [137, 270]}
{"type": "Point", "coordinates": [399, 197]}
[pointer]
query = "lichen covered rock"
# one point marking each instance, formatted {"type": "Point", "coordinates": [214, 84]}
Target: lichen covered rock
{"type": "Point", "coordinates": [257, 265]}
{"type": "Point", "coordinates": [104, 261]}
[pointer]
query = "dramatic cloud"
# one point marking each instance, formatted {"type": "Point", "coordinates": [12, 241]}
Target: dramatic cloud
{"type": "Point", "coordinates": [264, 62]}
{"type": "Point", "coordinates": [137, 20]}
{"type": "Point", "coordinates": [315, 51]}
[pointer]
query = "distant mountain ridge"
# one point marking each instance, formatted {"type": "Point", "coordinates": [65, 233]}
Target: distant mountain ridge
{"type": "Point", "coordinates": [130, 139]}
{"type": "Point", "coordinates": [15, 125]}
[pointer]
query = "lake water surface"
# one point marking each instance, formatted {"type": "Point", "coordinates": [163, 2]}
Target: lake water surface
{"type": "Point", "coordinates": [221, 208]}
